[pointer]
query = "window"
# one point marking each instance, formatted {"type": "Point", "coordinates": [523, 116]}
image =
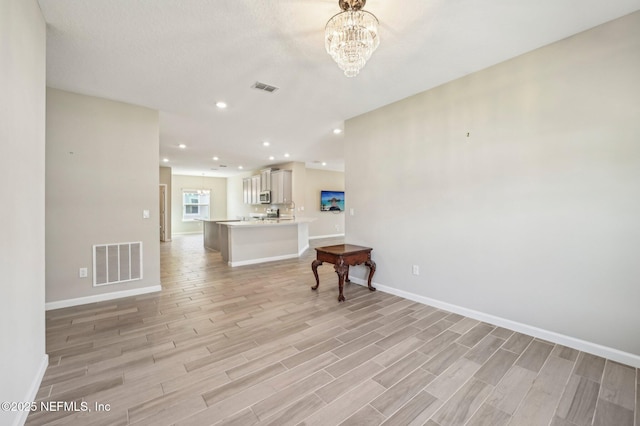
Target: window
{"type": "Point", "coordinates": [195, 204]}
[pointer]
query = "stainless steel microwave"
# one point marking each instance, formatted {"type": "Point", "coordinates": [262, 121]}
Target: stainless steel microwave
{"type": "Point", "coordinates": [265, 197]}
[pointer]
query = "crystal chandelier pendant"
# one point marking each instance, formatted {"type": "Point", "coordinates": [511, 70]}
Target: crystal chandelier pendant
{"type": "Point", "coordinates": [351, 36]}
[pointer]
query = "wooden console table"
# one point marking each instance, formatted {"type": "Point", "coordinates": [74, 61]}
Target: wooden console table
{"type": "Point", "coordinates": [342, 256]}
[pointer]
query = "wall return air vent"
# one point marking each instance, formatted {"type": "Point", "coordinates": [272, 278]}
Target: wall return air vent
{"type": "Point", "coordinates": [117, 263]}
{"type": "Point", "coordinates": [264, 87]}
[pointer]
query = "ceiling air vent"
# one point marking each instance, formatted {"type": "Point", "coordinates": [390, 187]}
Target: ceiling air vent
{"type": "Point", "coordinates": [265, 87]}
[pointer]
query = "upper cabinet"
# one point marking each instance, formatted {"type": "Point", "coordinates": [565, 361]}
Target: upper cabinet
{"type": "Point", "coordinates": [265, 180]}
{"type": "Point", "coordinates": [255, 189]}
{"type": "Point", "coordinates": [246, 190]}
{"type": "Point", "coordinates": [281, 186]}
{"type": "Point", "coordinates": [251, 190]}
{"type": "Point", "coordinates": [279, 182]}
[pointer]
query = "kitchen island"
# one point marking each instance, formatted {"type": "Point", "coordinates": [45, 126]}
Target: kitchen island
{"type": "Point", "coordinates": [211, 232]}
{"type": "Point", "coordinates": [257, 241]}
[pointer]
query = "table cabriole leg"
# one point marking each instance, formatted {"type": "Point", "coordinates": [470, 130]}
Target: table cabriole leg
{"type": "Point", "coordinates": [372, 270]}
{"type": "Point", "coordinates": [314, 268]}
{"type": "Point", "coordinates": [341, 270]}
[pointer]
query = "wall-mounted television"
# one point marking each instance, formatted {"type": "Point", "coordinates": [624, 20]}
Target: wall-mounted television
{"type": "Point", "coordinates": [331, 201]}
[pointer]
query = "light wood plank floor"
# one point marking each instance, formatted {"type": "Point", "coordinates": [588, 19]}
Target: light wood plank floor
{"type": "Point", "coordinates": [254, 345]}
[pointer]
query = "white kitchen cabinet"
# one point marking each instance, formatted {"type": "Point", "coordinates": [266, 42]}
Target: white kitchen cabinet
{"type": "Point", "coordinates": [251, 190]}
{"type": "Point", "coordinates": [255, 189]}
{"type": "Point", "coordinates": [281, 186]}
{"type": "Point", "coordinates": [246, 190]}
{"type": "Point", "coordinates": [265, 180]}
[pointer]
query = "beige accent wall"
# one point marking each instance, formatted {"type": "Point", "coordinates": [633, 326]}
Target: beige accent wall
{"type": "Point", "coordinates": [102, 172]}
{"type": "Point", "coordinates": [218, 188]}
{"type": "Point", "coordinates": [326, 223]}
{"type": "Point", "coordinates": [22, 191]}
{"type": "Point", "coordinates": [516, 190]}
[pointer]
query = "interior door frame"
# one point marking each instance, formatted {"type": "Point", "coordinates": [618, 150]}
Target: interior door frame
{"type": "Point", "coordinates": [163, 189]}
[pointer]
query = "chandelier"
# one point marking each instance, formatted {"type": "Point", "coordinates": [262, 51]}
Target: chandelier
{"type": "Point", "coordinates": [351, 36]}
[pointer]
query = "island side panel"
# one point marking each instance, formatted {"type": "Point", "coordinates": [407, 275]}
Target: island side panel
{"type": "Point", "coordinates": [303, 238]}
{"type": "Point", "coordinates": [223, 241]}
{"type": "Point", "coordinates": [211, 237]}
{"type": "Point", "coordinates": [211, 232]}
{"type": "Point", "coordinates": [255, 244]}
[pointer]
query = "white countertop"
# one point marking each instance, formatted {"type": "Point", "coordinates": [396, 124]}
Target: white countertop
{"type": "Point", "coordinates": [268, 222]}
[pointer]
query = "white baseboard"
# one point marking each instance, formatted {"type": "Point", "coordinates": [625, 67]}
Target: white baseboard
{"type": "Point", "coordinates": [561, 339]}
{"type": "Point", "coordinates": [262, 260]}
{"type": "Point", "coordinates": [268, 259]}
{"type": "Point", "coordinates": [21, 417]}
{"type": "Point", "coordinates": [317, 237]}
{"type": "Point", "coordinates": [100, 297]}
{"type": "Point", "coordinates": [301, 252]}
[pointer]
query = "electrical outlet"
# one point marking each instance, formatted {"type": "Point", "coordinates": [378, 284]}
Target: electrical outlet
{"type": "Point", "coordinates": [415, 270]}
{"type": "Point", "coordinates": [352, 212]}
{"type": "Point", "coordinates": [82, 272]}
{"type": "Point", "coordinates": [337, 227]}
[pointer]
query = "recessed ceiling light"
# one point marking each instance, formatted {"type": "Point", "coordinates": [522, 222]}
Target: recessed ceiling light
{"type": "Point", "coordinates": [265, 143]}
{"type": "Point", "coordinates": [215, 158]}
{"type": "Point", "coordinates": [272, 157]}
{"type": "Point", "coordinates": [183, 146]}
{"type": "Point", "coordinates": [221, 105]}
{"type": "Point", "coordinates": [286, 155]}
{"type": "Point", "coordinates": [240, 167]}
{"type": "Point", "coordinates": [166, 160]}
{"type": "Point", "coordinates": [337, 131]}
{"type": "Point", "coordinates": [324, 164]}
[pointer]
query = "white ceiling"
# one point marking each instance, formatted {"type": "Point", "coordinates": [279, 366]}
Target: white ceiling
{"type": "Point", "coordinates": [181, 57]}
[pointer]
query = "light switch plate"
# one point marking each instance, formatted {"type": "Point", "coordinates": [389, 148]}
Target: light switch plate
{"type": "Point", "coordinates": [146, 214]}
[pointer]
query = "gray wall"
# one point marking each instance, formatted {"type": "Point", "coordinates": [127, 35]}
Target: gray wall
{"type": "Point", "coordinates": [22, 158]}
{"type": "Point", "coordinates": [102, 172]}
{"type": "Point", "coordinates": [533, 218]}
